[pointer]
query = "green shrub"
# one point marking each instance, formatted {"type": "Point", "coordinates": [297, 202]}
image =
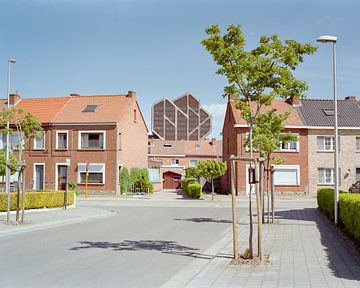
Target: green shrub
{"type": "Point", "coordinates": [37, 199]}
{"type": "Point", "coordinates": [192, 172]}
{"type": "Point", "coordinates": [349, 214]}
{"type": "Point", "coordinates": [325, 200]}
{"type": "Point", "coordinates": [185, 183]}
{"type": "Point", "coordinates": [124, 185]}
{"type": "Point", "coordinates": [195, 190]}
{"type": "Point", "coordinates": [139, 179]}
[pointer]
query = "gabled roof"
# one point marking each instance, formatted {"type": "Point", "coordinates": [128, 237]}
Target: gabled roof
{"type": "Point", "coordinates": [280, 105]}
{"type": "Point", "coordinates": [186, 148]}
{"type": "Point", "coordinates": [110, 108]}
{"type": "Point", "coordinates": [313, 114]}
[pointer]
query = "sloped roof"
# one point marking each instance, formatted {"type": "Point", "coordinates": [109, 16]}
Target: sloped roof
{"type": "Point", "coordinates": [110, 108]}
{"type": "Point", "coordinates": [280, 105]}
{"type": "Point", "coordinates": [45, 109]}
{"type": "Point", "coordinates": [186, 147]}
{"type": "Point", "coordinates": [313, 114]}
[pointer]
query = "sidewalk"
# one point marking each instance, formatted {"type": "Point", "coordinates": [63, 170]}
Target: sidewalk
{"type": "Point", "coordinates": [305, 251]}
{"type": "Point", "coordinates": [45, 218]}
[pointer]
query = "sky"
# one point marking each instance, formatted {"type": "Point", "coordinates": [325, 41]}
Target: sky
{"type": "Point", "coordinates": [94, 47]}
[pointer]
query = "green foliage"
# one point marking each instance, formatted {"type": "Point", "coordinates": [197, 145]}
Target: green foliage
{"type": "Point", "coordinates": [73, 186]}
{"type": "Point", "coordinates": [192, 172]}
{"type": "Point", "coordinates": [139, 180]}
{"type": "Point", "coordinates": [125, 180]}
{"type": "Point", "coordinates": [194, 190]}
{"type": "Point", "coordinates": [185, 183]}
{"type": "Point", "coordinates": [36, 200]}
{"type": "Point", "coordinates": [211, 169]}
{"type": "Point", "coordinates": [260, 74]}
{"type": "Point", "coordinates": [13, 161]}
{"type": "Point", "coordinates": [349, 210]}
{"type": "Point", "coordinates": [349, 214]}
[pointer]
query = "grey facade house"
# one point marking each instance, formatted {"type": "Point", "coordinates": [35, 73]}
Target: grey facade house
{"type": "Point", "coordinates": [318, 118]}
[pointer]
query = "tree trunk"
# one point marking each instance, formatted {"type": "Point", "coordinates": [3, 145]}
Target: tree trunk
{"type": "Point", "coordinates": [267, 188]}
{"type": "Point", "coordinates": [259, 216]}
{"type": "Point", "coordinates": [250, 192]}
{"type": "Point", "coordinates": [23, 194]}
{"type": "Point", "coordinates": [212, 189]}
{"type": "Point", "coordinates": [272, 196]}
{"type": "Point", "coordinates": [234, 216]}
{"type": "Point", "coordinates": [17, 201]}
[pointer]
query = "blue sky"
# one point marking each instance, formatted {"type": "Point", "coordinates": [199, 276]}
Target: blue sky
{"type": "Point", "coordinates": [153, 47]}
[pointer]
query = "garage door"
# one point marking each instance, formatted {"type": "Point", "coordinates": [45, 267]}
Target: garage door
{"type": "Point", "coordinates": [171, 180]}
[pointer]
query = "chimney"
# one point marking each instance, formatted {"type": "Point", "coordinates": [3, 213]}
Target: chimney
{"type": "Point", "coordinates": [14, 98]}
{"type": "Point", "coordinates": [74, 94]}
{"type": "Point", "coordinates": [213, 141]}
{"type": "Point", "coordinates": [295, 101]}
{"type": "Point", "coordinates": [131, 94]}
{"type": "Point", "coordinates": [350, 98]}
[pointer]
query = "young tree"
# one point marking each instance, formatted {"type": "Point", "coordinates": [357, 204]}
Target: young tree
{"type": "Point", "coordinates": [24, 126]}
{"type": "Point", "coordinates": [192, 172]}
{"type": "Point", "coordinates": [257, 76]}
{"type": "Point", "coordinates": [124, 186]}
{"type": "Point", "coordinates": [210, 170]}
{"type": "Point", "coordinates": [13, 168]}
{"type": "Point", "coordinates": [268, 135]}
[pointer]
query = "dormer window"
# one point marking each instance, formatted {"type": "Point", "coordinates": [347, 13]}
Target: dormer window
{"type": "Point", "coordinates": [90, 109]}
{"type": "Point", "coordinates": [167, 145]}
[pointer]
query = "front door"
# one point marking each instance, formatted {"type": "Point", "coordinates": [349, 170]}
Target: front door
{"type": "Point", "coordinates": [39, 177]}
{"type": "Point", "coordinates": [62, 177]}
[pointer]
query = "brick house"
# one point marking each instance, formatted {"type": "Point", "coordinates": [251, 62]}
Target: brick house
{"type": "Point", "coordinates": [292, 175]}
{"type": "Point", "coordinates": [169, 159]}
{"type": "Point", "coordinates": [318, 118]}
{"type": "Point", "coordinates": [107, 131]}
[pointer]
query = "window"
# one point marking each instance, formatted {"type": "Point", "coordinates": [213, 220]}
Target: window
{"type": "Point", "coordinates": [175, 162]}
{"type": "Point", "coordinates": [329, 112]}
{"type": "Point", "coordinates": [120, 142]}
{"type": "Point", "coordinates": [326, 176]}
{"type": "Point", "coordinates": [14, 140]}
{"type": "Point", "coordinates": [358, 144]}
{"type": "Point", "coordinates": [167, 145]}
{"type": "Point", "coordinates": [92, 140]}
{"type": "Point", "coordinates": [193, 163]}
{"type": "Point", "coordinates": [357, 173]}
{"type": "Point", "coordinates": [134, 115]}
{"type": "Point", "coordinates": [325, 143]}
{"type": "Point", "coordinates": [197, 146]}
{"type": "Point", "coordinates": [288, 175]}
{"type": "Point", "coordinates": [96, 173]}
{"type": "Point", "coordinates": [39, 142]}
{"type": "Point", "coordinates": [61, 139]}
{"type": "Point", "coordinates": [90, 109]}
{"type": "Point", "coordinates": [290, 146]}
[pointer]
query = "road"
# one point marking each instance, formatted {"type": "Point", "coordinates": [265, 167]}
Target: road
{"type": "Point", "coordinates": [138, 247]}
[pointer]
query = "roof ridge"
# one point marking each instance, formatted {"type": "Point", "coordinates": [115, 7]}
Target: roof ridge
{"type": "Point", "coordinates": [67, 101]}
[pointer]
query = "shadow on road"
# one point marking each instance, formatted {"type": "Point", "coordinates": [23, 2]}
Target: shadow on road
{"type": "Point", "coordinates": [163, 246]}
{"type": "Point", "coordinates": [342, 257]}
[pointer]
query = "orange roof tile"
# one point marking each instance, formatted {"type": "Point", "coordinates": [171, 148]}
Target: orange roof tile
{"type": "Point", "coordinates": [44, 109]}
{"type": "Point", "coordinates": [110, 108]}
{"type": "Point", "coordinates": [280, 105]}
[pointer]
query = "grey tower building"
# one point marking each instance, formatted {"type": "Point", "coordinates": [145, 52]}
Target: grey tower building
{"type": "Point", "coordinates": [180, 119]}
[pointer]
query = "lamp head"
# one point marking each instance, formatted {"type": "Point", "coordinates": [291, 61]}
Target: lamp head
{"type": "Point", "coordinates": [327, 39]}
{"type": "Point", "coordinates": [12, 61]}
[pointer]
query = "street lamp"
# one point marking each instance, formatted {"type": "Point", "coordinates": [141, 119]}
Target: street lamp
{"type": "Point", "coordinates": [7, 169]}
{"type": "Point", "coordinates": [333, 39]}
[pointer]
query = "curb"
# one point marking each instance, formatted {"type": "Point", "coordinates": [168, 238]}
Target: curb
{"type": "Point", "coordinates": [37, 227]}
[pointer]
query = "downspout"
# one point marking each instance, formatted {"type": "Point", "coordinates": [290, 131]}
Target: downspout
{"type": "Point", "coordinates": [117, 190]}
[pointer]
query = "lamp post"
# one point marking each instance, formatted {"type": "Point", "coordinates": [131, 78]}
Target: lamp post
{"type": "Point", "coordinates": [333, 39]}
{"type": "Point", "coordinates": [7, 169]}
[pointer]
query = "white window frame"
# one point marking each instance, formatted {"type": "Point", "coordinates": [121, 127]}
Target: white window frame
{"type": "Point", "coordinates": [289, 167]}
{"type": "Point", "coordinates": [176, 164]}
{"type": "Point", "coordinates": [332, 176]}
{"type": "Point", "coordinates": [288, 145]}
{"type": "Point", "coordinates": [57, 140]}
{"type": "Point", "coordinates": [331, 143]}
{"type": "Point", "coordinates": [191, 165]}
{"type": "Point", "coordinates": [81, 171]}
{"type": "Point", "coordinates": [44, 137]}
{"type": "Point", "coordinates": [357, 143]}
{"type": "Point", "coordinates": [91, 131]}
{"type": "Point", "coordinates": [34, 174]}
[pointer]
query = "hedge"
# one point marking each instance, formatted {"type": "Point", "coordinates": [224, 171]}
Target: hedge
{"type": "Point", "coordinates": [35, 200]}
{"type": "Point", "coordinates": [185, 183]}
{"type": "Point", "coordinates": [349, 210]}
{"type": "Point", "coordinates": [195, 190]}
